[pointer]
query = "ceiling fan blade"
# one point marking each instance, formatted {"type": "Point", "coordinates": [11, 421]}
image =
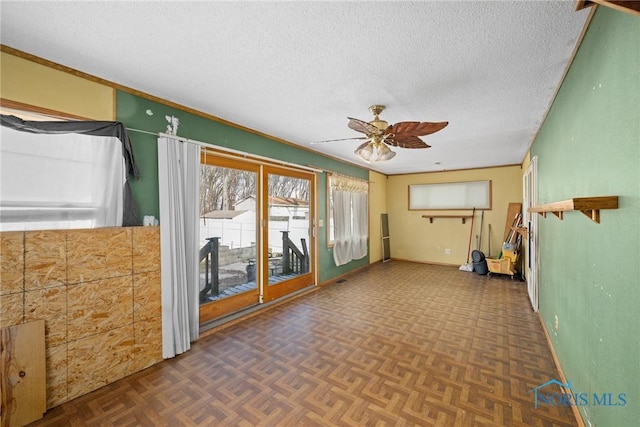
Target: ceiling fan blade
{"type": "Point", "coordinates": [333, 140]}
{"type": "Point", "coordinates": [363, 127]}
{"type": "Point", "coordinates": [406, 141]}
{"type": "Point", "coordinates": [415, 128]}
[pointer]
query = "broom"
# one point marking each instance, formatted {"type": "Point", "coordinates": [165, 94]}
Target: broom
{"type": "Point", "coordinates": [468, 266]}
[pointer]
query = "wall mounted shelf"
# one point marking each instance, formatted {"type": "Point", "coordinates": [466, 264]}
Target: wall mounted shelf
{"type": "Point", "coordinates": [463, 217]}
{"type": "Point", "coordinates": [627, 6]}
{"type": "Point", "coordinates": [590, 206]}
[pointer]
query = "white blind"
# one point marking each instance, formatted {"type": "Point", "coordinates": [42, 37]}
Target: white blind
{"type": "Point", "coordinates": [50, 181]}
{"type": "Point", "coordinates": [450, 195]}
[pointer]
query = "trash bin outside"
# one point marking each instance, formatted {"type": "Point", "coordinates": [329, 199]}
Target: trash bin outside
{"type": "Point", "coordinates": [251, 271]}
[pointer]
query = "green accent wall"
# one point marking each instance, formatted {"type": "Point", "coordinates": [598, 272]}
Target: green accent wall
{"type": "Point", "coordinates": [146, 115]}
{"type": "Point", "coordinates": [589, 145]}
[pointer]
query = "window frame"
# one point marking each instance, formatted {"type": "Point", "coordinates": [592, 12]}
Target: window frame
{"type": "Point", "coordinates": [31, 113]}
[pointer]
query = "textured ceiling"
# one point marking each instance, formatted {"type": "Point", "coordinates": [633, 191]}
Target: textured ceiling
{"type": "Point", "coordinates": [297, 70]}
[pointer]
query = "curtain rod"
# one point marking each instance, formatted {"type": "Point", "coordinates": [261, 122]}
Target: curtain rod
{"type": "Point", "coordinates": [339, 174]}
{"type": "Point", "coordinates": [228, 150]}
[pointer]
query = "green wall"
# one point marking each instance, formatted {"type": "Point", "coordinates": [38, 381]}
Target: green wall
{"type": "Point", "coordinates": [134, 111]}
{"type": "Point", "coordinates": [589, 145]}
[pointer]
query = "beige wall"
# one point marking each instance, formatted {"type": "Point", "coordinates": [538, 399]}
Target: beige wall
{"type": "Point", "coordinates": [377, 206]}
{"type": "Point", "coordinates": [34, 84]}
{"type": "Point", "coordinates": [414, 238]}
{"type": "Point", "coordinates": [526, 162]}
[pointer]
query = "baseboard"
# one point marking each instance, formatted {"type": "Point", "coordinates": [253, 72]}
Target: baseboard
{"type": "Point", "coordinates": [342, 276]}
{"type": "Point", "coordinates": [443, 264]}
{"type": "Point", "coordinates": [563, 377]}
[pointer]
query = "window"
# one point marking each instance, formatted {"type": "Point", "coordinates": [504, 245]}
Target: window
{"type": "Point", "coordinates": [347, 217]}
{"type": "Point", "coordinates": [450, 195]}
{"type": "Point", "coordinates": [58, 175]}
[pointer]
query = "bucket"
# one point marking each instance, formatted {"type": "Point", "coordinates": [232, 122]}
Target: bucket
{"type": "Point", "coordinates": [479, 263]}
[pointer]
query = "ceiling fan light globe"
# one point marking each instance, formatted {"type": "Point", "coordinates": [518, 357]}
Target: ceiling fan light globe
{"type": "Point", "coordinates": [383, 152]}
{"type": "Point", "coordinates": [387, 156]}
{"type": "Point", "coordinates": [365, 153]}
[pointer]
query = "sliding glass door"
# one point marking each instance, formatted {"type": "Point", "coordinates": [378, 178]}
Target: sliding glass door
{"type": "Point", "coordinates": [256, 238]}
{"type": "Point", "coordinates": [288, 238]}
{"type": "Point", "coordinates": [228, 236]}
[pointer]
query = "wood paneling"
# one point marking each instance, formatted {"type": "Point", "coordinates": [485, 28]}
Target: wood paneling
{"type": "Point", "coordinates": [22, 374]}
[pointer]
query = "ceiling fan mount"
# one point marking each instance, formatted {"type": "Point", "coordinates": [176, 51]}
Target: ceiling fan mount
{"type": "Point", "coordinates": [379, 135]}
{"type": "Point", "coordinates": [376, 110]}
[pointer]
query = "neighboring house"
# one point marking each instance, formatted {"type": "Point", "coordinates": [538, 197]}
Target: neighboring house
{"type": "Point", "coordinates": [280, 208]}
{"type": "Point", "coordinates": [234, 215]}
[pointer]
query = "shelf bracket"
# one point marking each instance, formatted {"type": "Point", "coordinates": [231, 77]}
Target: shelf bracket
{"type": "Point", "coordinates": [462, 217]}
{"type": "Point", "coordinates": [593, 214]}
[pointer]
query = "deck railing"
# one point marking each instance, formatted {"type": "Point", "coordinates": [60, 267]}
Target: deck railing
{"type": "Point", "coordinates": [210, 254]}
{"type": "Point", "coordinates": [294, 260]}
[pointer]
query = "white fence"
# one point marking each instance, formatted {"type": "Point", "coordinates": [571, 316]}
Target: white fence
{"type": "Point", "coordinates": [298, 229]}
{"type": "Point", "coordinates": [232, 234]}
{"type": "Point", "coordinates": [236, 234]}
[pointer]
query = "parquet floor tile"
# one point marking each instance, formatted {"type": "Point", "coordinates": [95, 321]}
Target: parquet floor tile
{"type": "Point", "coordinates": [398, 344]}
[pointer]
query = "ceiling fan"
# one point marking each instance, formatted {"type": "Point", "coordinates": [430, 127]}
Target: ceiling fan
{"type": "Point", "coordinates": [379, 134]}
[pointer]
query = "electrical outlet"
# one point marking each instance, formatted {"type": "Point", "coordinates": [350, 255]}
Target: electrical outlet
{"type": "Point", "coordinates": [447, 251]}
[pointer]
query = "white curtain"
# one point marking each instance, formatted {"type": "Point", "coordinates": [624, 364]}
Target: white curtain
{"type": "Point", "coordinates": [178, 174]}
{"type": "Point", "coordinates": [51, 181]}
{"type": "Point", "coordinates": [360, 209]}
{"type": "Point", "coordinates": [350, 218]}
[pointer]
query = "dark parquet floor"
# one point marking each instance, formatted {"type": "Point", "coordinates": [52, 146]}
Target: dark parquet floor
{"type": "Point", "coordinates": [398, 344]}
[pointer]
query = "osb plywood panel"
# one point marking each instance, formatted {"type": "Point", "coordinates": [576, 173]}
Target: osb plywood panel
{"type": "Point", "coordinates": [56, 375]}
{"type": "Point", "coordinates": [99, 360]}
{"type": "Point", "coordinates": [98, 254]}
{"type": "Point", "coordinates": [98, 306]}
{"type": "Point", "coordinates": [148, 343]}
{"type": "Point", "coordinates": [45, 259]}
{"type": "Point", "coordinates": [146, 249]}
{"type": "Point", "coordinates": [11, 262]}
{"type": "Point", "coordinates": [147, 295]}
{"type": "Point", "coordinates": [49, 304]}
{"type": "Point", "coordinates": [11, 309]}
{"type": "Point", "coordinates": [81, 283]}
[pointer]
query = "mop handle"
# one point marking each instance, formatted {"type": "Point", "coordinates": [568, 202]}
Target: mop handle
{"type": "Point", "coordinates": [473, 215]}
